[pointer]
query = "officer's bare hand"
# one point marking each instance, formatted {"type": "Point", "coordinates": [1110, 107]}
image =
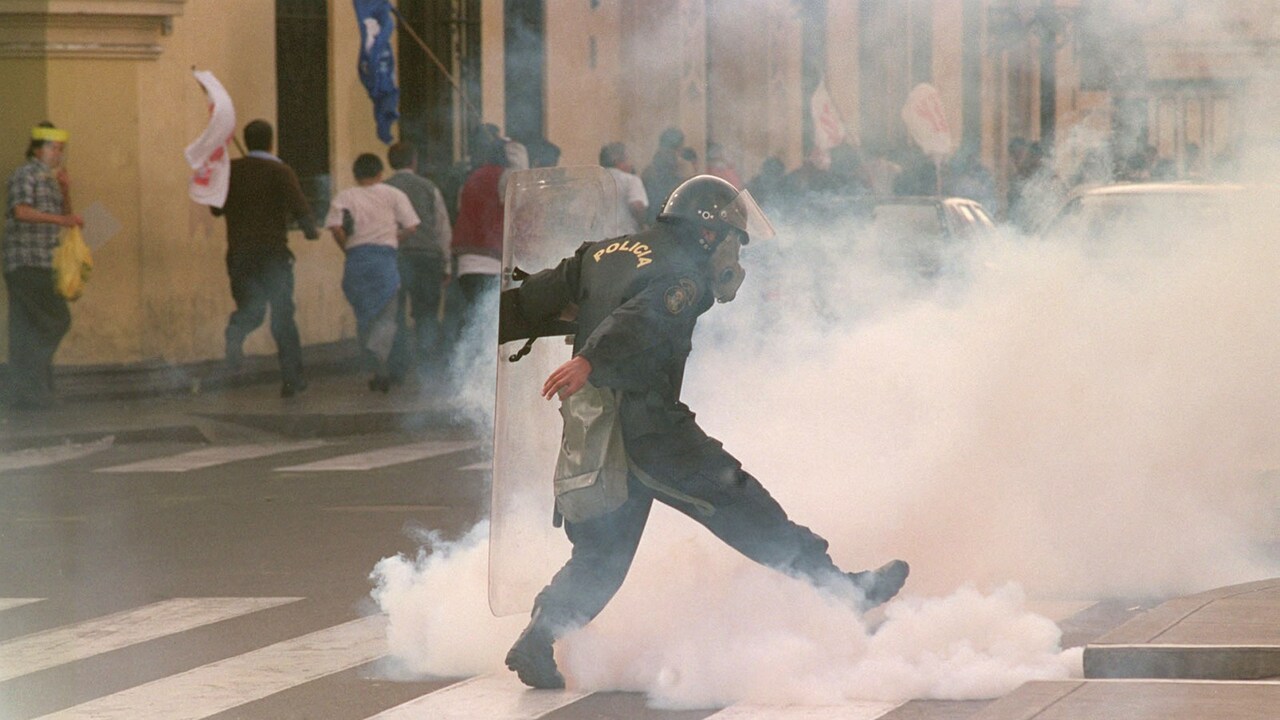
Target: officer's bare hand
{"type": "Point", "coordinates": [567, 379]}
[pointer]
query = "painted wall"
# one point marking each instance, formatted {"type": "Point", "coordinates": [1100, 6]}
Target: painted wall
{"type": "Point", "coordinates": [754, 80]}
{"type": "Point", "coordinates": [492, 71]}
{"type": "Point", "coordinates": [842, 77]}
{"type": "Point", "coordinates": [583, 104]}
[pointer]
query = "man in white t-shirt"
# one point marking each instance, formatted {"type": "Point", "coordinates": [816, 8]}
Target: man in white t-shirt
{"type": "Point", "coordinates": [631, 193]}
{"type": "Point", "coordinates": [368, 222]}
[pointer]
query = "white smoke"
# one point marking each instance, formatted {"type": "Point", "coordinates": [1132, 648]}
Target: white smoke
{"type": "Point", "coordinates": [438, 617]}
{"type": "Point", "coordinates": [1075, 421]}
{"type": "Point", "coordinates": [713, 630]}
{"type": "Point", "coordinates": [1085, 425]}
{"type": "Point", "coordinates": [1047, 421]}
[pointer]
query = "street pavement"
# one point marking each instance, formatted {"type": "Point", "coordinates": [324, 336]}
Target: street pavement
{"type": "Point", "coordinates": [1214, 654]}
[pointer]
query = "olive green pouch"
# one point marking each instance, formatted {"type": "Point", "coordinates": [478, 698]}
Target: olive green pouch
{"type": "Point", "coordinates": [591, 473]}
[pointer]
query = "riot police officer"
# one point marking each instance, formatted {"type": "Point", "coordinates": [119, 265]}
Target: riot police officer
{"type": "Point", "coordinates": [634, 301]}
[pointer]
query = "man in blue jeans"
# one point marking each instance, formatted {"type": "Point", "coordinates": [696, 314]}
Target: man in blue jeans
{"type": "Point", "coordinates": [263, 195]}
{"type": "Point", "coordinates": [424, 260]}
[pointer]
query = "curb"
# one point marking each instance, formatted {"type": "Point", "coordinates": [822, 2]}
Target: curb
{"type": "Point", "coordinates": [1183, 639]}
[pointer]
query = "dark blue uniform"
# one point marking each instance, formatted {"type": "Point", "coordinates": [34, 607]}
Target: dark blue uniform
{"type": "Point", "coordinates": [638, 301]}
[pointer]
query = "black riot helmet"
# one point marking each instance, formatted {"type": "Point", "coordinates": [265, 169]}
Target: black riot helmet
{"type": "Point", "coordinates": [716, 204]}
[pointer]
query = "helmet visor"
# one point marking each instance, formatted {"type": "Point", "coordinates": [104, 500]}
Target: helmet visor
{"type": "Point", "coordinates": [744, 214]}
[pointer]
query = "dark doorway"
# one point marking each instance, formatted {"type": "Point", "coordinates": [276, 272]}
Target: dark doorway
{"type": "Point", "coordinates": [302, 95]}
{"type": "Point", "coordinates": [436, 115]}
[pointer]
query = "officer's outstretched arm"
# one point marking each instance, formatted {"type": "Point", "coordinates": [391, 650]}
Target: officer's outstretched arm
{"type": "Point", "coordinates": [537, 307]}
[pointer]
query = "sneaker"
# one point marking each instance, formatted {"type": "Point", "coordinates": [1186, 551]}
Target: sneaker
{"type": "Point", "coordinates": [289, 389]}
{"type": "Point", "coordinates": [533, 660]}
{"type": "Point", "coordinates": [880, 585]}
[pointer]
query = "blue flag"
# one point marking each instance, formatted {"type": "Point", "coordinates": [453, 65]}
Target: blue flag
{"type": "Point", "coordinates": [377, 64]}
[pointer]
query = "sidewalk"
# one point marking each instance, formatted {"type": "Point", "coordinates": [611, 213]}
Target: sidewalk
{"type": "Point", "coordinates": [204, 403]}
{"type": "Point", "coordinates": [1211, 655]}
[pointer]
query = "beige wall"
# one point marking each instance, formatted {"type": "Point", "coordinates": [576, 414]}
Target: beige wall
{"type": "Point", "coordinates": [948, 65]}
{"type": "Point", "coordinates": [582, 114]}
{"type": "Point", "coordinates": [842, 62]}
{"type": "Point", "coordinates": [492, 71]}
{"type": "Point", "coordinates": [100, 109]}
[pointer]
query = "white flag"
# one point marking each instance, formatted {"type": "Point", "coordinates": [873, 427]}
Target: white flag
{"type": "Point", "coordinates": [828, 129]}
{"type": "Point", "coordinates": [927, 121]}
{"type": "Point", "coordinates": [208, 155]}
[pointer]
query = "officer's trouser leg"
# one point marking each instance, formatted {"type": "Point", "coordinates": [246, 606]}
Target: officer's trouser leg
{"type": "Point", "coordinates": [603, 549]}
{"type": "Point", "coordinates": [748, 519]}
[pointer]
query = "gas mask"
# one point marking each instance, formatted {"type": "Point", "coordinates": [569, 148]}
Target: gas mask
{"type": "Point", "coordinates": [726, 272]}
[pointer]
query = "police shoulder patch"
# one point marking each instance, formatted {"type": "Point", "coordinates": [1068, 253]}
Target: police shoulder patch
{"type": "Point", "coordinates": [681, 296]}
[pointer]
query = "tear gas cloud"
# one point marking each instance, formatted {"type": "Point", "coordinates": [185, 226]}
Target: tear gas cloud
{"type": "Point", "coordinates": [1046, 420]}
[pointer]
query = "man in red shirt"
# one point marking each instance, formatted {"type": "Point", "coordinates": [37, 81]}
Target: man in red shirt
{"type": "Point", "coordinates": [477, 233]}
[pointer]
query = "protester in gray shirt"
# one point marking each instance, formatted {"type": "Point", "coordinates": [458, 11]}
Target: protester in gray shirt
{"type": "Point", "coordinates": [424, 262]}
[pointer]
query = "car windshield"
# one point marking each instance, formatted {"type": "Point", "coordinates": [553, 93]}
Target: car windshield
{"type": "Point", "coordinates": [1103, 217]}
{"type": "Point", "coordinates": [903, 223]}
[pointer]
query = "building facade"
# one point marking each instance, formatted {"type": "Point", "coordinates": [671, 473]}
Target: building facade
{"type": "Point", "coordinates": [1190, 79]}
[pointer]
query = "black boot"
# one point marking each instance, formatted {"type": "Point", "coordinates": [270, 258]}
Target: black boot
{"type": "Point", "coordinates": [532, 658]}
{"type": "Point", "coordinates": [881, 584]}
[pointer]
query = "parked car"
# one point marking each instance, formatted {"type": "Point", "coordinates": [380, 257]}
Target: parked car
{"type": "Point", "coordinates": [925, 233]}
{"type": "Point", "coordinates": [1108, 213]}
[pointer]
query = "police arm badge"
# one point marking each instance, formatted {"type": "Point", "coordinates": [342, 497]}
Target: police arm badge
{"type": "Point", "coordinates": [680, 296]}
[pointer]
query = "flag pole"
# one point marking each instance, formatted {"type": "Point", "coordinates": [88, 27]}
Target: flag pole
{"type": "Point", "coordinates": [452, 80]}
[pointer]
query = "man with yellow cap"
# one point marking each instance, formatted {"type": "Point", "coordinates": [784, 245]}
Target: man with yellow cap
{"type": "Point", "coordinates": [39, 208]}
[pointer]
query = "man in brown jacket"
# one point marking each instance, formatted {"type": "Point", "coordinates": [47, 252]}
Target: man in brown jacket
{"type": "Point", "coordinates": [263, 196]}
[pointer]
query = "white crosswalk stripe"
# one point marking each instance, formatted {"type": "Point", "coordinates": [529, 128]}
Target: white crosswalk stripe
{"type": "Point", "coordinates": [384, 457]}
{"type": "Point", "coordinates": [480, 466]}
{"type": "Point", "coordinates": [211, 456]}
{"type": "Point", "coordinates": [493, 697]}
{"type": "Point", "coordinates": [226, 684]}
{"type": "Point", "coordinates": [6, 603]}
{"type": "Point", "coordinates": [40, 457]}
{"type": "Point", "coordinates": [50, 648]}
{"type": "Point", "coordinates": [848, 711]}
{"type": "Point", "coordinates": [223, 685]}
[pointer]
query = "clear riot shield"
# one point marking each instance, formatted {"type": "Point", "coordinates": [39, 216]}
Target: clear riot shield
{"type": "Point", "coordinates": [549, 213]}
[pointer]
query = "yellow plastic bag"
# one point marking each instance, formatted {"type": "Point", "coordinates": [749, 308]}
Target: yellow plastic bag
{"type": "Point", "coordinates": [72, 264]}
